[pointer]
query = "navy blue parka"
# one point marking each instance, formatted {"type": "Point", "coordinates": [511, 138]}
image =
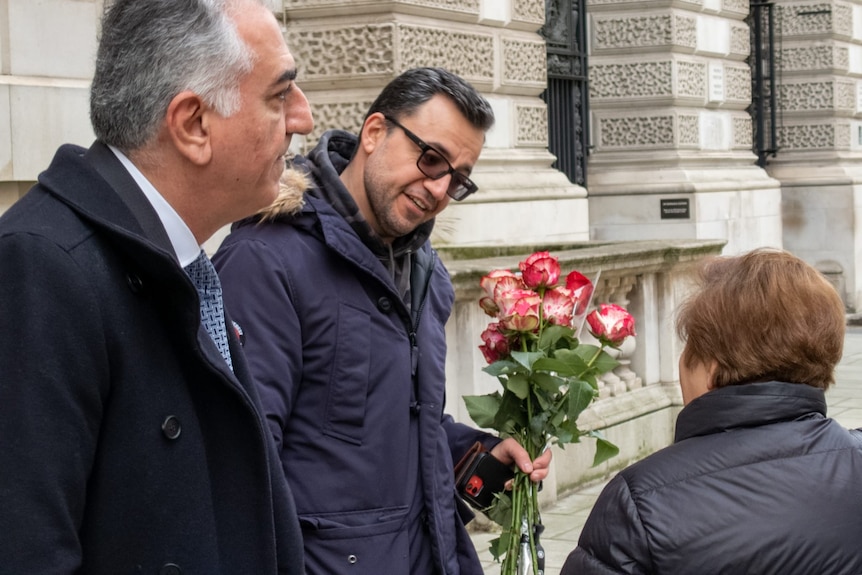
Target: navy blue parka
{"type": "Point", "coordinates": [352, 380]}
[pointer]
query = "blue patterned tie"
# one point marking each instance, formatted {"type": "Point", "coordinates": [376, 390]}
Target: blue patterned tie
{"type": "Point", "coordinates": [205, 278]}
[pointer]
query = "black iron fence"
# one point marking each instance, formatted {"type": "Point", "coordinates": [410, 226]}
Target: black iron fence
{"type": "Point", "coordinates": [764, 108]}
{"type": "Point", "coordinates": [567, 94]}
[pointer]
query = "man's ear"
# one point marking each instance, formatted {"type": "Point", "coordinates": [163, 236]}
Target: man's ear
{"type": "Point", "coordinates": [374, 130]}
{"type": "Point", "coordinates": [188, 124]}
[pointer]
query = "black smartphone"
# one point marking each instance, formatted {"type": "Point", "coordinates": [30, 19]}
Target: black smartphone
{"type": "Point", "coordinates": [482, 477]}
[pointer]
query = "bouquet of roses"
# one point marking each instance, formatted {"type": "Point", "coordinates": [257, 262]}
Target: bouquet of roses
{"type": "Point", "coordinates": [548, 376]}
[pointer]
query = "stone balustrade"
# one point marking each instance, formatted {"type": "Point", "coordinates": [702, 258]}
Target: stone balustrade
{"type": "Point", "coordinates": [639, 400]}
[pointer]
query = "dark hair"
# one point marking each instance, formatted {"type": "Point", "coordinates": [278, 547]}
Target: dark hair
{"type": "Point", "coordinates": [763, 316]}
{"type": "Point", "coordinates": [406, 93]}
{"type": "Point", "coordinates": [150, 51]}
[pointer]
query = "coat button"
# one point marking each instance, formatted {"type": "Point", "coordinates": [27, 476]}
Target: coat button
{"type": "Point", "coordinates": [135, 283]}
{"type": "Point", "coordinates": [384, 304]}
{"type": "Point", "coordinates": [352, 559]}
{"type": "Point", "coordinates": [172, 428]}
{"type": "Point", "coordinates": [170, 569]}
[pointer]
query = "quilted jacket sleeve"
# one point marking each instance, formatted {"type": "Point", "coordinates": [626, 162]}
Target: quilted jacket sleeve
{"type": "Point", "coordinates": [614, 540]}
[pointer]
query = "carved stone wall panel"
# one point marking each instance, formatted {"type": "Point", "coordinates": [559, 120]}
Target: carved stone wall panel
{"type": "Point", "coordinates": [689, 130]}
{"type": "Point", "coordinates": [468, 6]}
{"type": "Point", "coordinates": [523, 63]}
{"type": "Point", "coordinates": [362, 50]}
{"type": "Point", "coordinates": [468, 55]}
{"type": "Point", "coordinates": [343, 115]}
{"type": "Point", "coordinates": [654, 30]}
{"type": "Point", "coordinates": [841, 57]}
{"type": "Point", "coordinates": [529, 11]}
{"type": "Point", "coordinates": [740, 40]}
{"type": "Point", "coordinates": [691, 79]}
{"type": "Point", "coordinates": [532, 126]}
{"type": "Point", "coordinates": [843, 19]}
{"type": "Point", "coordinates": [737, 81]}
{"type": "Point", "coordinates": [810, 58]}
{"type": "Point", "coordinates": [807, 96]}
{"type": "Point", "coordinates": [808, 137]}
{"type": "Point", "coordinates": [742, 133]}
{"type": "Point", "coordinates": [635, 80]}
{"type": "Point", "coordinates": [632, 32]}
{"type": "Point", "coordinates": [842, 136]}
{"type": "Point", "coordinates": [684, 31]}
{"type": "Point", "coordinates": [814, 19]}
{"type": "Point", "coordinates": [735, 6]}
{"type": "Point", "coordinates": [845, 96]}
{"type": "Point", "coordinates": [611, 3]}
{"type": "Point", "coordinates": [636, 132]}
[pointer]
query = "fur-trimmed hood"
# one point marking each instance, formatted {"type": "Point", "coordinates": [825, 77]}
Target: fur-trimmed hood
{"type": "Point", "coordinates": [292, 186]}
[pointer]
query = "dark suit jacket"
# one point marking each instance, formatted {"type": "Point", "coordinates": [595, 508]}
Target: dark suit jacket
{"type": "Point", "coordinates": [128, 445]}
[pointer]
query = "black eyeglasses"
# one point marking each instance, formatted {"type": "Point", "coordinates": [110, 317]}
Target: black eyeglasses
{"type": "Point", "coordinates": [434, 165]}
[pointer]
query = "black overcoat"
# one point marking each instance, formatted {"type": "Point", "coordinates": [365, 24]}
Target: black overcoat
{"type": "Point", "coordinates": [128, 445]}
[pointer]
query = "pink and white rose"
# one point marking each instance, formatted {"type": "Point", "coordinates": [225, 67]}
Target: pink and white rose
{"type": "Point", "coordinates": [540, 270]}
{"type": "Point", "coordinates": [611, 324]}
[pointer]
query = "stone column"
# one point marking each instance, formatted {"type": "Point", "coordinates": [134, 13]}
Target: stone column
{"type": "Point", "coordinates": [672, 138]}
{"type": "Point", "coordinates": [47, 51]}
{"type": "Point", "coordinates": [820, 144]}
{"type": "Point", "coordinates": [347, 51]}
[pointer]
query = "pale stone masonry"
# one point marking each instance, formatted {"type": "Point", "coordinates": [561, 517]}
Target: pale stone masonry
{"type": "Point", "coordinates": [347, 51]}
{"type": "Point", "coordinates": [669, 89]}
{"type": "Point", "coordinates": [821, 141]}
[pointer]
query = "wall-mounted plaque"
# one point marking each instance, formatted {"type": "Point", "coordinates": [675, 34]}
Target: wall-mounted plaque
{"type": "Point", "coordinates": [676, 209]}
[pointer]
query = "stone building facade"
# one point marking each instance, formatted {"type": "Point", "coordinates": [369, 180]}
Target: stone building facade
{"type": "Point", "coordinates": [670, 150]}
{"type": "Point", "coordinates": [670, 167]}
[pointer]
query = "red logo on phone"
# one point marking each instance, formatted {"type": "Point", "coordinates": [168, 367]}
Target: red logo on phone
{"type": "Point", "coordinates": [474, 485]}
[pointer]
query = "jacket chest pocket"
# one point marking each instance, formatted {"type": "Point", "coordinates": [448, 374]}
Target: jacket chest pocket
{"type": "Point", "coordinates": [348, 384]}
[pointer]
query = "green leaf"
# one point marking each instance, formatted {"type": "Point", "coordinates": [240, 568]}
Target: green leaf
{"type": "Point", "coordinates": [501, 511]}
{"type": "Point", "coordinates": [605, 363]}
{"type": "Point", "coordinates": [500, 546]}
{"type": "Point", "coordinates": [510, 415]}
{"type": "Point", "coordinates": [552, 334]}
{"type": "Point", "coordinates": [604, 449]}
{"type": "Point", "coordinates": [519, 384]}
{"type": "Point", "coordinates": [581, 394]}
{"type": "Point", "coordinates": [483, 409]}
{"type": "Point", "coordinates": [555, 365]}
{"type": "Point", "coordinates": [602, 363]}
{"type": "Point", "coordinates": [586, 352]}
{"type": "Point", "coordinates": [537, 428]}
{"type": "Point", "coordinates": [503, 367]}
{"type": "Point", "coordinates": [548, 382]}
{"type": "Point", "coordinates": [576, 365]}
{"type": "Point", "coordinates": [527, 358]}
{"type": "Point", "coordinates": [568, 432]}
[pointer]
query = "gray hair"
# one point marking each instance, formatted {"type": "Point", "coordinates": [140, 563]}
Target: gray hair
{"type": "Point", "coordinates": [150, 51]}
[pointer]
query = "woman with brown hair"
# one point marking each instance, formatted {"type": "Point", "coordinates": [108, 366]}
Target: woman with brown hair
{"type": "Point", "coordinates": [758, 479]}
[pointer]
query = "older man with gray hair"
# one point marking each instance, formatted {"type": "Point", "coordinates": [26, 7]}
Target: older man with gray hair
{"type": "Point", "coordinates": [132, 436]}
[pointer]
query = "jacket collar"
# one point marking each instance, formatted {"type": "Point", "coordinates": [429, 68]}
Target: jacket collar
{"type": "Point", "coordinates": [749, 405]}
{"type": "Point", "coordinates": [77, 177]}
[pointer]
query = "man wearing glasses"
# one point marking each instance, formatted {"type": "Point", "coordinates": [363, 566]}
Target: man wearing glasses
{"type": "Point", "coordinates": [343, 305]}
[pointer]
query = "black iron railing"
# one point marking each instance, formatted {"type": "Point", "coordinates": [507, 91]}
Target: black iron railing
{"type": "Point", "coordinates": [567, 94]}
{"type": "Point", "coordinates": [764, 108]}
